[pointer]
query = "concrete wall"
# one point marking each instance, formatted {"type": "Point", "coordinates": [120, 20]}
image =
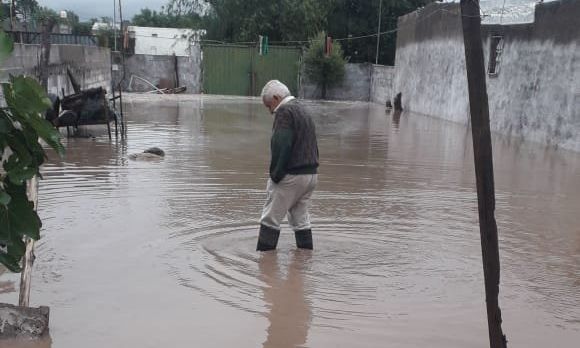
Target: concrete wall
{"type": "Point", "coordinates": [154, 68]}
{"type": "Point", "coordinates": [91, 66]}
{"type": "Point", "coordinates": [355, 86]}
{"type": "Point", "coordinates": [362, 82]}
{"type": "Point", "coordinates": [430, 61]}
{"type": "Point", "coordinates": [382, 80]}
{"type": "Point", "coordinates": [536, 94]}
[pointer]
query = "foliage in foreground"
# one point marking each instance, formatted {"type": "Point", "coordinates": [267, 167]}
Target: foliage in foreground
{"type": "Point", "coordinates": [21, 126]}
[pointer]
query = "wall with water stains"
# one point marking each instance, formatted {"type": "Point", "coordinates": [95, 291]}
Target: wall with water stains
{"type": "Point", "coordinates": [382, 79]}
{"type": "Point", "coordinates": [354, 87]}
{"type": "Point", "coordinates": [155, 68]}
{"type": "Point", "coordinates": [91, 66]}
{"type": "Point", "coordinates": [535, 95]}
{"type": "Point", "coordinates": [362, 82]}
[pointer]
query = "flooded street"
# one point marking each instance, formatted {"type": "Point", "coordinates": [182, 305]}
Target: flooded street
{"type": "Point", "coordinates": [162, 253]}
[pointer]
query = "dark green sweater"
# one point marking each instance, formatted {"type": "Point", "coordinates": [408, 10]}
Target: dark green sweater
{"type": "Point", "coordinates": [293, 146]}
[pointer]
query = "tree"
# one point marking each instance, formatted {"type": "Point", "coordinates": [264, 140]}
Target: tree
{"type": "Point", "coordinates": [82, 28]}
{"type": "Point", "coordinates": [352, 18]}
{"type": "Point", "coordinates": [43, 14]}
{"type": "Point", "coordinates": [184, 7]}
{"type": "Point", "coordinates": [4, 11]}
{"type": "Point", "coordinates": [294, 20]}
{"type": "Point", "coordinates": [21, 126]}
{"type": "Point", "coordinates": [166, 19]}
{"type": "Point", "coordinates": [26, 9]}
{"type": "Point", "coordinates": [244, 20]}
{"type": "Point", "coordinates": [325, 70]}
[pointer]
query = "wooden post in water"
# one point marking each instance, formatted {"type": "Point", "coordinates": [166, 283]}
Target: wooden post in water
{"type": "Point", "coordinates": [480, 128]}
{"type": "Point", "coordinates": [28, 260]}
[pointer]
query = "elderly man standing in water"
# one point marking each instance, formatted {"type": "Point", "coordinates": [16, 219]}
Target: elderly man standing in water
{"type": "Point", "coordinates": [293, 169]}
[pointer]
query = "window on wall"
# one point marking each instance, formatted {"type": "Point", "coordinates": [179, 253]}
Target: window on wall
{"type": "Point", "coordinates": [495, 50]}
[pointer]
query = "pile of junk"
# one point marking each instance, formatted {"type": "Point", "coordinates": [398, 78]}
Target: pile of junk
{"type": "Point", "coordinates": [84, 108]}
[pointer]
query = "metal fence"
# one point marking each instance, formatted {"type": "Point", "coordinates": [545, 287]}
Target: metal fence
{"type": "Point", "coordinates": [241, 70]}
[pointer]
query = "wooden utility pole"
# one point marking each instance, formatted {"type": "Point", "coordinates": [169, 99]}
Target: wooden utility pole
{"type": "Point", "coordinates": [379, 31]}
{"type": "Point", "coordinates": [124, 33]}
{"type": "Point", "coordinates": [480, 128]}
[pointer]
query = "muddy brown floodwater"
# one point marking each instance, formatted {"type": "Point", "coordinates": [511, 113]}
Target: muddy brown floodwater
{"type": "Point", "coordinates": [162, 253]}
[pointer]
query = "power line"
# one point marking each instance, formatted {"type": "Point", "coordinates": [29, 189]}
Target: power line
{"type": "Point", "coordinates": [387, 32]}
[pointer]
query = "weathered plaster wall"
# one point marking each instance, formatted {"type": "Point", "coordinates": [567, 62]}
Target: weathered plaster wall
{"type": "Point", "coordinates": [355, 86]}
{"type": "Point", "coordinates": [536, 94]}
{"type": "Point", "coordinates": [153, 68]}
{"type": "Point", "coordinates": [91, 66]}
{"type": "Point", "coordinates": [430, 62]}
{"type": "Point", "coordinates": [362, 82]}
{"type": "Point", "coordinates": [382, 79]}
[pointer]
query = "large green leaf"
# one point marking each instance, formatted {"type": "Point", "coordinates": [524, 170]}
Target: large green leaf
{"type": "Point", "coordinates": [19, 175]}
{"type": "Point", "coordinates": [5, 228]}
{"type": "Point", "coordinates": [47, 133]}
{"type": "Point", "coordinates": [10, 262]}
{"type": "Point", "coordinates": [21, 165]}
{"type": "Point", "coordinates": [16, 248]}
{"type": "Point", "coordinates": [4, 198]}
{"type": "Point", "coordinates": [22, 220]}
{"type": "Point", "coordinates": [26, 97]}
{"type": "Point", "coordinates": [6, 45]}
{"type": "Point", "coordinates": [28, 102]}
{"type": "Point", "coordinates": [5, 123]}
{"type": "Point", "coordinates": [34, 147]}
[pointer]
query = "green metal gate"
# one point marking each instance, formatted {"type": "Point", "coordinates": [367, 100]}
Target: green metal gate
{"type": "Point", "coordinates": [240, 70]}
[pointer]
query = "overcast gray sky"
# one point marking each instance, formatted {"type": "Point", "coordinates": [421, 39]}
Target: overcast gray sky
{"type": "Point", "coordinates": [87, 9]}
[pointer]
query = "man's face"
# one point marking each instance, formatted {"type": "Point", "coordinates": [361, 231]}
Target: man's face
{"type": "Point", "coordinates": [272, 104]}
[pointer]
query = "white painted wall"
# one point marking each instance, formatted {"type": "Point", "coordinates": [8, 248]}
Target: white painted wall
{"type": "Point", "coordinates": [164, 41]}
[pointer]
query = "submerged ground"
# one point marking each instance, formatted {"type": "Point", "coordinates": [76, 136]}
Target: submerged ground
{"type": "Point", "coordinates": [161, 253]}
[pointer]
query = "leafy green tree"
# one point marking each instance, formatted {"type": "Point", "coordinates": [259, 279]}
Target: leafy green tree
{"type": "Point", "coordinates": [184, 7]}
{"type": "Point", "coordinates": [4, 10]}
{"type": "Point", "coordinates": [21, 126]}
{"type": "Point", "coordinates": [26, 9]}
{"type": "Point", "coordinates": [44, 14]}
{"type": "Point", "coordinates": [82, 28]}
{"type": "Point", "coordinates": [326, 70]}
{"type": "Point", "coordinates": [294, 20]}
{"type": "Point", "coordinates": [244, 20]}
{"type": "Point", "coordinates": [353, 18]}
{"type": "Point", "coordinates": [167, 19]}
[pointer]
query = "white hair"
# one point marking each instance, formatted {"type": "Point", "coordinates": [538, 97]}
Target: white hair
{"type": "Point", "coordinates": [274, 88]}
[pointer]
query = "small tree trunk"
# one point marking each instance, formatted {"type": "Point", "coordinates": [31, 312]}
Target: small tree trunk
{"type": "Point", "coordinates": [28, 260]}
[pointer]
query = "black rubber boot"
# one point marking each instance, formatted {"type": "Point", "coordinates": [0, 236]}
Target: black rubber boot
{"type": "Point", "coordinates": [268, 238]}
{"type": "Point", "coordinates": [304, 239]}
